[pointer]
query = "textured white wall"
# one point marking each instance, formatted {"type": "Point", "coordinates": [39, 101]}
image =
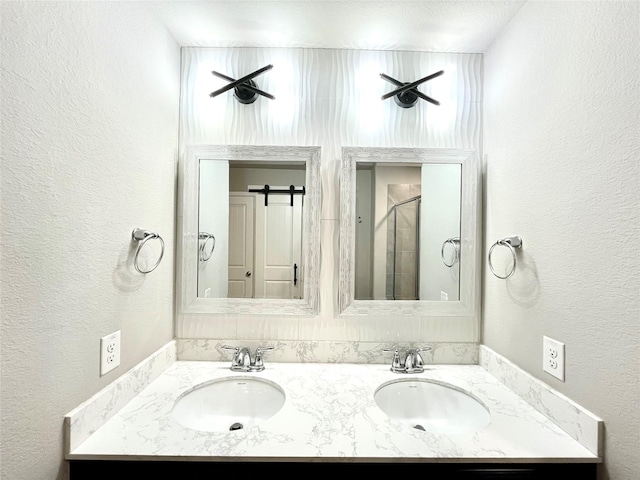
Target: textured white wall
{"type": "Point", "coordinates": [329, 98]}
{"type": "Point", "coordinates": [562, 171]}
{"type": "Point", "coordinates": [89, 137]}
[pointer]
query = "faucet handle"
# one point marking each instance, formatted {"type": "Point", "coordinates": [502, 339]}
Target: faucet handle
{"type": "Point", "coordinates": [258, 364]}
{"type": "Point", "coordinates": [236, 355]}
{"type": "Point", "coordinates": [424, 349]}
{"type": "Point", "coordinates": [229, 347]}
{"type": "Point", "coordinates": [396, 364]}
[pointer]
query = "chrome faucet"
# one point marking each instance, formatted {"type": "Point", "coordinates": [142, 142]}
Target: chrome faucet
{"type": "Point", "coordinates": [412, 362]}
{"type": "Point", "coordinates": [241, 361]}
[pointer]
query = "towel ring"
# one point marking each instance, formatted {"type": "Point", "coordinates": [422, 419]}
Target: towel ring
{"type": "Point", "coordinates": [143, 236]}
{"type": "Point", "coordinates": [455, 243]}
{"type": "Point", "coordinates": [204, 256]}
{"type": "Point", "coordinates": [511, 243]}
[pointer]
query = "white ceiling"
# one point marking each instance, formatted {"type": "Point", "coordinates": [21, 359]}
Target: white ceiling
{"type": "Point", "coordinates": [434, 26]}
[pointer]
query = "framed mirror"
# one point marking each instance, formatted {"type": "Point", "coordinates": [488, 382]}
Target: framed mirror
{"type": "Point", "coordinates": [414, 215]}
{"type": "Point", "coordinates": [249, 230]}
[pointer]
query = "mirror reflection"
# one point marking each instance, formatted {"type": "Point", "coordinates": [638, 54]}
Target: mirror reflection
{"type": "Point", "coordinates": [407, 231]}
{"type": "Point", "coordinates": [250, 219]}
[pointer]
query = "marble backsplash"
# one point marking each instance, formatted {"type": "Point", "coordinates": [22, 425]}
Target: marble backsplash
{"type": "Point", "coordinates": [576, 421]}
{"type": "Point", "coordinates": [85, 419]}
{"type": "Point", "coordinates": [325, 351]}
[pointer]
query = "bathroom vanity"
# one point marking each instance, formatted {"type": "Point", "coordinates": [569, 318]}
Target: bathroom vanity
{"type": "Point", "coordinates": [329, 418]}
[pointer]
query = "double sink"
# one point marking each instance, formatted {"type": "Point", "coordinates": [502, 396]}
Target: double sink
{"type": "Point", "coordinates": [203, 411]}
{"type": "Point", "coordinates": [241, 402]}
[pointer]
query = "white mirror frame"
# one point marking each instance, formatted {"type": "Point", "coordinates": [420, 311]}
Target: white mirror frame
{"type": "Point", "coordinates": [187, 241]}
{"type": "Point", "coordinates": [468, 304]}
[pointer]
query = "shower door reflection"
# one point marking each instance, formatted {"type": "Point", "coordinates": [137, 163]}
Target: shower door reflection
{"type": "Point", "coordinates": [403, 243]}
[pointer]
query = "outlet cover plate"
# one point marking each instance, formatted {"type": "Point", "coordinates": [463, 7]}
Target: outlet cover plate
{"type": "Point", "coordinates": [553, 357]}
{"type": "Point", "coordinates": [109, 352]}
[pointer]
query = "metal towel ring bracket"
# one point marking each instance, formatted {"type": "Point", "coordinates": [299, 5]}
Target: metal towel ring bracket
{"type": "Point", "coordinates": [143, 236]}
{"type": "Point", "coordinates": [455, 243]}
{"type": "Point", "coordinates": [511, 243]}
{"type": "Point", "coordinates": [204, 255]}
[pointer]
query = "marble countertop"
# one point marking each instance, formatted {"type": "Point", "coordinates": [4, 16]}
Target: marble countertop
{"type": "Point", "coordinates": [330, 415]}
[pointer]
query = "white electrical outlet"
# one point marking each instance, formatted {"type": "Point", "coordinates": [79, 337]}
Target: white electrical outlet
{"type": "Point", "coordinates": [553, 357]}
{"type": "Point", "coordinates": [109, 352]}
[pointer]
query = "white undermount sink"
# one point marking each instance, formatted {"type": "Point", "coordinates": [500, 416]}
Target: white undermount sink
{"type": "Point", "coordinates": [433, 407]}
{"type": "Point", "coordinates": [228, 404]}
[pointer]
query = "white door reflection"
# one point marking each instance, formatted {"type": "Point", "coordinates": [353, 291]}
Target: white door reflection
{"type": "Point", "coordinates": [257, 220]}
{"type": "Point", "coordinates": [278, 247]}
{"type": "Point", "coordinates": [241, 236]}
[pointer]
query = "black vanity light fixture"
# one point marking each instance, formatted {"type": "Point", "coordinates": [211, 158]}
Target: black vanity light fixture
{"type": "Point", "coordinates": [245, 89]}
{"type": "Point", "coordinates": [408, 94]}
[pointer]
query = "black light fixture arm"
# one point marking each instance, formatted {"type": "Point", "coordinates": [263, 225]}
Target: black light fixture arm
{"type": "Point", "coordinates": [407, 94]}
{"type": "Point", "coordinates": [242, 83]}
{"type": "Point", "coordinates": [246, 86]}
{"type": "Point", "coordinates": [415, 91]}
{"type": "Point", "coordinates": [412, 85]}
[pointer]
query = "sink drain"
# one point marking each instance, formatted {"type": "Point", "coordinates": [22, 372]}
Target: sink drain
{"type": "Point", "coordinates": [236, 426]}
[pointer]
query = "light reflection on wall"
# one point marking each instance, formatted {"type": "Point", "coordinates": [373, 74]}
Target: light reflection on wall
{"type": "Point", "coordinates": [283, 110]}
{"type": "Point", "coordinates": [210, 110]}
{"type": "Point", "coordinates": [369, 110]}
{"type": "Point", "coordinates": [443, 89]}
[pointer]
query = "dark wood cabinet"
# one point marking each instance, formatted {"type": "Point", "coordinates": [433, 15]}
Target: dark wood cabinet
{"type": "Point", "coordinates": [92, 469]}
